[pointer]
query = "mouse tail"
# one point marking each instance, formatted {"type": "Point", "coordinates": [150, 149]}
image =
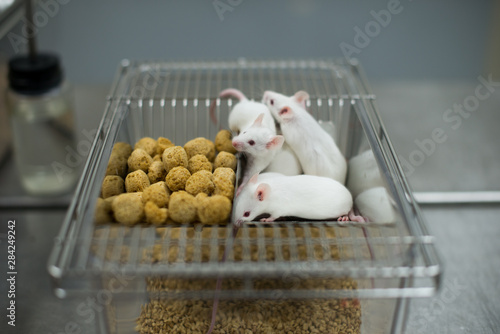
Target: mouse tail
{"type": "Point", "coordinates": [225, 93]}
{"type": "Point", "coordinates": [233, 92]}
{"type": "Point", "coordinates": [213, 117]}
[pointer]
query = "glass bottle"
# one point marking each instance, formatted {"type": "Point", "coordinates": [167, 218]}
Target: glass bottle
{"type": "Point", "coordinates": [41, 115]}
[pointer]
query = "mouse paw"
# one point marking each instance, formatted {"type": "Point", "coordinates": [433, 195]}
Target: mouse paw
{"type": "Point", "coordinates": [267, 220]}
{"type": "Point", "coordinates": [343, 219]}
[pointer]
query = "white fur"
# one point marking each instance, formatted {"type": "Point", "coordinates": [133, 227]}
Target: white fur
{"type": "Point", "coordinates": [285, 162]}
{"type": "Point", "coordinates": [329, 128]}
{"type": "Point", "coordinates": [258, 155]}
{"type": "Point", "coordinates": [305, 196]}
{"type": "Point", "coordinates": [363, 173]}
{"type": "Point", "coordinates": [244, 114]}
{"type": "Point", "coordinates": [376, 205]}
{"type": "Point", "coordinates": [317, 152]}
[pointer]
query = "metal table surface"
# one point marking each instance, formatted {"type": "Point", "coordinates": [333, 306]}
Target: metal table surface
{"type": "Point", "coordinates": [466, 235]}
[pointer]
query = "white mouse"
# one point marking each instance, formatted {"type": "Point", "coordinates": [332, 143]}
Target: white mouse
{"type": "Point", "coordinates": [285, 162]}
{"type": "Point", "coordinates": [329, 128]}
{"type": "Point", "coordinates": [260, 146]}
{"type": "Point", "coordinates": [304, 196]}
{"type": "Point", "coordinates": [363, 173]}
{"type": "Point", "coordinates": [317, 152]}
{"type": "Point", "coordinates": [244, 113]}
{"type": "Point", "coordinates": [241, 198]}
{"type": "Point", "coordinates": [376, 205]}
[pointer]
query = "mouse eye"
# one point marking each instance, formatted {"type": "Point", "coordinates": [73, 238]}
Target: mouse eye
{"type": "Point", "coordinates": [246, 214]}
{"type": "Point", "coordinates": [251, 142]}
{"type": "Point", "coordinates": [272, 102]}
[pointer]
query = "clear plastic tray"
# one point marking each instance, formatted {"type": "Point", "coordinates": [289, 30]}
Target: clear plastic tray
{"type": "Point", "coordinates": [171, 99]}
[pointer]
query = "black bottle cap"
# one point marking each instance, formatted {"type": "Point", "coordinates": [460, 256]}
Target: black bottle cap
{"type": "Point", "coordinates": [34, 76]}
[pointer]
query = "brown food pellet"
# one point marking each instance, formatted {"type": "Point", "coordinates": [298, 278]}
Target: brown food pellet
{"type": "Point", "coordinates": [154, 214]}
{"type": "Point", "coordinates": [156, 172]}
{"type": "Point", "coordinates": [103, 213]}
{"type": "Point", "coordinates": [148, 144]}
{"type": "Point", "coordinates": [200, 145]}
{"type": "Point", "coordinates": [112, 185]}
{"type": "Point", "coordinates": [225, 159]}
{"type": "Point", "coordinates": [117, 165]}
{"type": "Point", "coordinates": [213, 210]}
{"type": "Point", "coordinates": [157, 193]}
{"type": "Point", "coordinates": [225, 172]}
{"type": "Point", "coordinates": [122, 149]}
{"type": "Point", "coordinates": [174, 156]}
{"type": "Point", "coordinates": [223, 186]}
{"type": "Point", "coordinates": [136, 181]}
{"type": "Point", "coordinates": [199, 162]}
{"type": "Point", "coordinates": [182, 207]}
{"type": "Point", "coordinates": [176, 179]}
{"type": "Point", "coordinates": [223, 142]}
{"type": "Point", "coordinates": [162, 144]}
{"type": "Point", "coordinates": [128, 208]}
{"type": "Point", "coordinates": [139, 160]}
{"type": "Point", "coordinates": [200, 182]}
{"type": "Point", "coordinates": [157, 158]}
{"type": "Point", "coordinates": [110, 200]}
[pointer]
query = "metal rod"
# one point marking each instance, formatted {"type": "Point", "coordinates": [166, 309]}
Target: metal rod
{"type": "Point", "coordinates": [31, 35]}
{"type": "Point", "coordinates": [458, 197]}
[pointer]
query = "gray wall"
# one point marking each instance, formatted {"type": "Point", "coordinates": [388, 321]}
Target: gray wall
{"type": "Point", "coordinates": [426, 39]}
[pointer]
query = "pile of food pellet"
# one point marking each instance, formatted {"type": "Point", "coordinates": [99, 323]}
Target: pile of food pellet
{"type": "Point", "coordinates": [157, 182]}
{"type": "Point", "coordinates": [251, 316]}
{"type": "Point", "coordinates": [248, 316]}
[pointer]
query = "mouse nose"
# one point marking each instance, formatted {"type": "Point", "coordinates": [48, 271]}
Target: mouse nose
{"type": "Point", "coordinates": [237, 145]}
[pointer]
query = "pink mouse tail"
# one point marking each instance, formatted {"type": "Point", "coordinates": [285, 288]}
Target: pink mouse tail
{"type": "Point", "coordinates": [212, 112]}
{"type": "Point", "coordinates": [233, 92]}
{"type": "Point", "coordinates": [226, 93]}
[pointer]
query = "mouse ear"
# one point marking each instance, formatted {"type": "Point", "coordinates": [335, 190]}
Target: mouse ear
{"type": "Point", "coordinates": [258, 120]}
{"type": "Point", "coordinates": [275, 142]}
{"type": "Point", "coordinates": [262, 191]}
{"type": "Point", "coordinates": [301, 96]}
{"type": "Point", "coordinates": [254, 179]}
{"type": "Point", "coordinates": [286, 112]}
